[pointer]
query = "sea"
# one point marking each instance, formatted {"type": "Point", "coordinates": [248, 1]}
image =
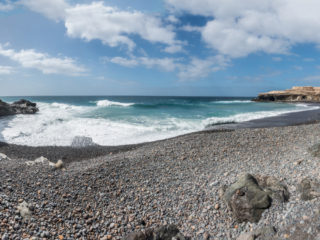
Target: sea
{"type": "Point", "coordinates": [121, 120]}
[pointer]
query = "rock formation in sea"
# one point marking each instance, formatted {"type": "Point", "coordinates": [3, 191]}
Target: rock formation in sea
{"type": "Point", "coordinates": [296, 94]}
{"type": "Point", "coordinates": [19, 107]}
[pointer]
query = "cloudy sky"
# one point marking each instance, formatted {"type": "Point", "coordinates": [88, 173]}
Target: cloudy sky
{"type": "Point", "coordinates": [168, 47]}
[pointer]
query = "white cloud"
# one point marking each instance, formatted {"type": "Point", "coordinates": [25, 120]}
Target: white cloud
{"type": "Point", "coordinates": [309, 59]}
{"type": "Point", "coordinates": [166, 64]}
{"type": "Point", "coordinates": [199, 68]}
{"type": "Point", "coordinates": [48, 65]}
{"type": "Point", "coordinates": [5, 70]}
{"type": "Point", "coordinates": [195, 69]}
{"type": "Point", "coordinates": [189, 28]}
{"type": "Point", "coordinates": [6, 5]}
{"type": "Point", "coordinates": [114, 27]}
{"type": "Point", "coordinates": [240, 28]}
{"type": "Point", "coordinates": [173, 19]}
{"type": "Point", "coordinates": [173, 49]}
{"type": "Point", "coordinates": [53, 9]}
{"type": "Point", "coordinates": [315, 78]}
{"type": "Point", "coordinates": [126, 62]}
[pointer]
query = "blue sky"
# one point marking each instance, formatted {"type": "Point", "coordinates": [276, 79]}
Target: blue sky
{"type": "Point", "coordinates": [169, 47]}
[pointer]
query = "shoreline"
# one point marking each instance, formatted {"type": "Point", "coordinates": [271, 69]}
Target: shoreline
{"type": "Point", "coordinates": [70, 154]}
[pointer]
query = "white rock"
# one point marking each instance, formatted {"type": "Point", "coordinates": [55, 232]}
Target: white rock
{"type": "Point", "coordinates": [41, 160]}
{"type": "Point", "coordinates": [59, 164]}
{"type": "Point", "coordinates": [4, 157]}
{"type": "Point", "coordinates": [24, 210]}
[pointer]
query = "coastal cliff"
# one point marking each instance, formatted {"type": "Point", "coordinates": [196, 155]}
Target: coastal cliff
{"type": "Point", "coordinates": [19, 107]}
{"type": "Point", "coordinates": [296, 94]}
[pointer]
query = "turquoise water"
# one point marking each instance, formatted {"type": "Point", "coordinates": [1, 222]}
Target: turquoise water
{"type": "Point", "coordinates": [126, 119]}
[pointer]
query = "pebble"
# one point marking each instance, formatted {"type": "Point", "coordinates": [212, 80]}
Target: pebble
{"type": "Point", "coordinates": [179, 180]}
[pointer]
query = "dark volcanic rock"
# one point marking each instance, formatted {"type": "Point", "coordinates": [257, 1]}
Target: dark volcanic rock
{"type": "Point", "coordinates": [246, 199]}
{"type": "Point", "coordinates": [250, 196]}
{"type": "Point", "coordinates": [19, 107]}
{"type": "Point", "coordinates": [168, 232]}
{"type": "Point", "coordinates": [5, 109]}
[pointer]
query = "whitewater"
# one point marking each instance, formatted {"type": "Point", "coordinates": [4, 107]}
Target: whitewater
{"type": "Point", "coordinates": [112, 121]}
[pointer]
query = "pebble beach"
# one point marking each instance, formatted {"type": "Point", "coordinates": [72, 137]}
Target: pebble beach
{"type": "Point", "coordinates": [110, 193]}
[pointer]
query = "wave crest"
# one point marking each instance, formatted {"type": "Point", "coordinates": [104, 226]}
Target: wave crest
{"type": "Point", "coordinates": [233, 101]}
{"type": "Point", "coordinates": [108, 103]}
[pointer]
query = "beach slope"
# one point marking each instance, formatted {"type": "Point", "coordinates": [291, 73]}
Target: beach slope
{"type": "Point", "coordinates": [177, 180]}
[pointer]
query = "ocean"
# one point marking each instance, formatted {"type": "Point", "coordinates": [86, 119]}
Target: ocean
{"type": "Point", "coordinates": [120, 120]}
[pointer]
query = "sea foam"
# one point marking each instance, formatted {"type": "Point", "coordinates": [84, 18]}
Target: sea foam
{"type": "Point", "coordinates": [107, 103]}
{"type": "Point", "coordinates": [59, 123]}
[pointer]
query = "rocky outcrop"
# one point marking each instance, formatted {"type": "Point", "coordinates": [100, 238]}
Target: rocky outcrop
{"type": "Point", "coordinates": [296, 94]}
{"type": "Point", "coordinates": [19, 107]}
{"type": "Point", "coordinates": [250, 196]}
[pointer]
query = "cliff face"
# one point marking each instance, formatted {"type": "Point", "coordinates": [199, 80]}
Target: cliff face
{"type": "Point", "coordinates": [296, 94]}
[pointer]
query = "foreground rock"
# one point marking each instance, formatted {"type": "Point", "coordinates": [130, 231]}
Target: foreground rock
{"type": "Point", "coordinates": [163, 233]}
{"type": "Point", "coordinates": [3, 157]}
{"type": "Point", "coordinates": [296, 94]}
{"type": "Point", "coordinates": [45, 161]}
{"type": "Point", "coordinates": [19, 107]}
{"type": "Point", "coordinates": [309, 189]}
{"type": "Point", "coordinates": [250, 196]}
{"type": "Point", "coordinates": [24, 210]}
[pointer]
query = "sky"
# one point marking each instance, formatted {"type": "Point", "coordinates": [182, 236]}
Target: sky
{"type": "Point", "coordinates": [158, 47]}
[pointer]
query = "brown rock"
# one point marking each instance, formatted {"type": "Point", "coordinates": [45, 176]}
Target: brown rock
{"type": "Point", "coordinates": [296, 94]}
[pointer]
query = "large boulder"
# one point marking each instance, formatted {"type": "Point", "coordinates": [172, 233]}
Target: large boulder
{"type": "Point", "coordinates": [19, 107]}
{"type": "Point", "coordinates": [167, 232]}
{"type": "Point", "coordinates": [246, 199]}
{"type": "Point", "coordinates": [249, 197]}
